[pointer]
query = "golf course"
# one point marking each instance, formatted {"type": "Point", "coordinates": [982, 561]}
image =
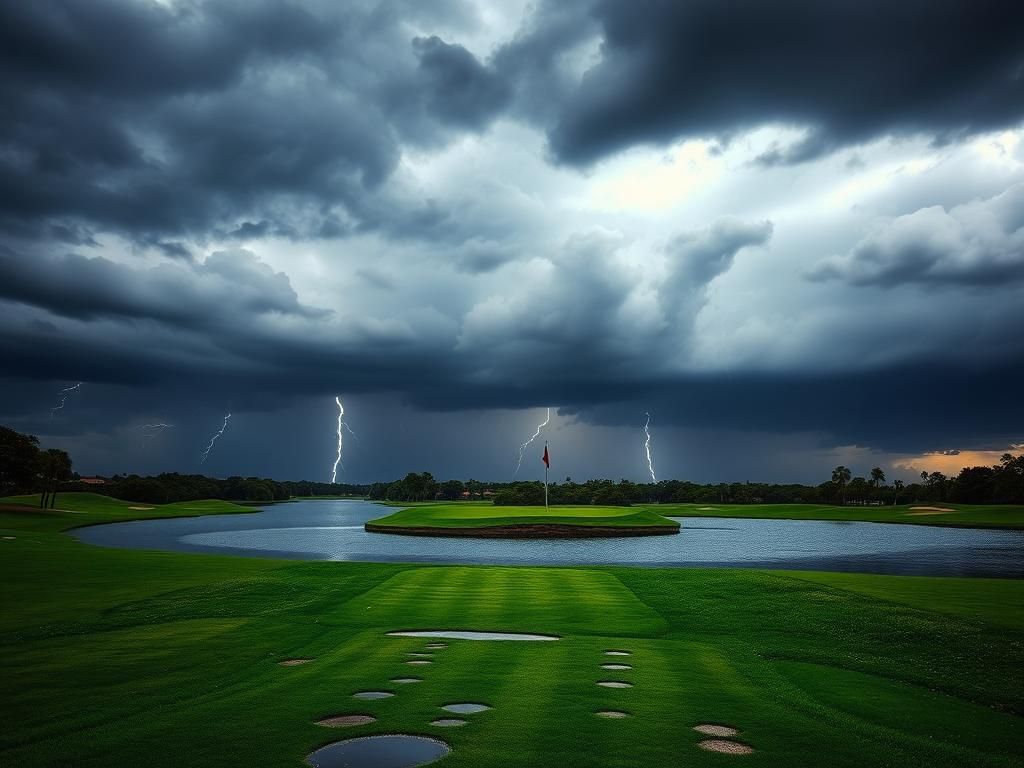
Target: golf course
{"type": "Point", "coordinates": [119, 657]}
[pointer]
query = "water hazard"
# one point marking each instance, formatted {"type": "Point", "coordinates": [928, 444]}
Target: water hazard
{"type": "Point", "coordinates": [396, 751]}
{"type": "Point", "coordinates": [333, 530]}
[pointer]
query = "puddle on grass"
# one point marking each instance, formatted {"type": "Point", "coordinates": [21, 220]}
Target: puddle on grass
{"type": "Point", "coordinates": [612, 714]}
{"type": "Point", "coordinates": [614, 684]}
{"type": "Point", "coordinates": [370, 695]}
{"type": "Point", "coordinates": [709, 729]}
{"type": "Point", "coordinates": [419, 661]}
{"type": "Point", "coordinates": [725, 747]}
{"type": "Point", "coordinates": [618, 653]}
{"type": "Point", "coordinates": [436, 646]}
{"type": "Point", "coordinates": [420, 653]}
{"type": "Point", "coordinates": [466, 708]}
{"type": "Point", "coordinates": [461, 635]}
{"type": "Point", "coordinates": [392, 751]}
{"type": "Point", "coordinates": [406, 680]}
{"type": "Point", "coordinates": [293, 662]}
{"type": "Point", "coordinates": [615, 666]}
{"type": "Point", "coordinates": [448, 722]}
{"type": "Point", "coordinates": [346, 721]}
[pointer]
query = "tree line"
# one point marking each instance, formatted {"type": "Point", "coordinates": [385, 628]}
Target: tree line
{"type": "Point", "coordinates": [26, 468]}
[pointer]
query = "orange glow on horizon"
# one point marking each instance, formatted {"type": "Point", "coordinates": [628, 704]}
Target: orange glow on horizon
{"type": "Point", "coordinates": [950, 465]}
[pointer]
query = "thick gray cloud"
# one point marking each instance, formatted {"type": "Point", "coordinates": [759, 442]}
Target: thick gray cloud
{"type": "Point", "coordinates": [978, 243]}
{"type": "Point", "coordinates": [844, 72]}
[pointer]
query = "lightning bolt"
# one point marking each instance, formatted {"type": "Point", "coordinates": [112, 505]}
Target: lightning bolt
{"type": "Point", "coordinates": [63, 395]}
{"type": "Point", "coordinates": [522, 447]}
{"type": "Point", "coordinates": [214, 438]}
{"type": "Point", "coordinates": [149, 431]}
{"type": "Point", "coordinates": [647, 448]}
{"type": "Point", "coordinates": [337, 458]}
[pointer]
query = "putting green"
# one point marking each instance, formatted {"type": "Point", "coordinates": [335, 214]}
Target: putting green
{"type": "Point", "coordinates": [116, 657]}
{"type": "Point", "coordinates": [487, 520]}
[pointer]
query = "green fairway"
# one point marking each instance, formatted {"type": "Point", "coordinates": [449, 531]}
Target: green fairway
{"type": "Point", "coordinates": [486, 515]}
{"type": "Point", "coordinates": [920, 513]}
{"type": "Point", "coordinates": [120, 657]}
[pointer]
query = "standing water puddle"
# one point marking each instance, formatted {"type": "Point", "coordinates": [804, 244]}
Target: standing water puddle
{"type": "Point", "coordinates": [465, 709]}
{"type": "Point", "coordinates": [373, 695]}
{"type": "Point", "coordinates": [394, 751]}
{"type": "Point", "coordinates": [460, 635]}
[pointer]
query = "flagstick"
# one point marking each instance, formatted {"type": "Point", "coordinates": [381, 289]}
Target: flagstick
{"type": "Point", "coordinates": [546, 468]}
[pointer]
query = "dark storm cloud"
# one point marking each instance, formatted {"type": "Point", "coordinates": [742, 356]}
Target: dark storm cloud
{"type": "Point", "coordinates": [74, 286]}
{"type": "Point", "coordinates": [457, 88]}
{"type": "Point", "coordinates": [975, 244]}
{"type": "Point", "coordinates": [843, 72]}
{"type": "Point", "coordinates": [232, 118]}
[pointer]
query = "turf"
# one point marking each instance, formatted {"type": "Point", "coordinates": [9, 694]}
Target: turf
{"type": "Point", "coordinates": [969, 515]}
{"type": "Point", "coordinates": [121, 657]}
{"type": "Point", "coordinates": [466, 515]}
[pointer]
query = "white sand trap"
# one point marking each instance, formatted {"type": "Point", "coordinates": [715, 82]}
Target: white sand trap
{"type": "Point", "coordinates": [618, 653]}
{"type": "Point", "coordinates": [615, 666]}
{"type": "Point", "coordinates": [612, 714]}
{"type": "Point", "coordinates": [461, 635]}
{"type": "Point", "coordinates": [930, 510]}
{"type": "Point", "coordinates": [707, 509]}
{"type": "Point", "coordinates": [725, 747]}
{"type": "Point", "coordinates": [10, 538]}
{"type": "Point", "coordinates": [708, 729]}
{"type": "Point", "coordinates": [372, 695]}
{"type": "Point", "coordinates": [144, 509]}
{"type": "Point", "coordinates": [419, 661]}
{"type": "Point", "coordinates": [420, 654]}
{"type": "Point", "coordinates": [293, 662]}
{"type": "Point", "coordinates": [346, 721]}
{"type": "Point", "coordinates": [406, 680]}
{"type": "Point", "coordinates": [436, 646]}
{"type": "Point", "coordinates": [614, 684]}
{"type": "Point", "coordinates": [448, 722]}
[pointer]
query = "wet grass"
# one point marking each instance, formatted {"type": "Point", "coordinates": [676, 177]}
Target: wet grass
{"type": "Point", "coordinates": [121, 657]}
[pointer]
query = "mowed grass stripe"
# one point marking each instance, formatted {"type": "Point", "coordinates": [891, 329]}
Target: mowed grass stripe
{"type": "Point", "coordinates": [515, 599]}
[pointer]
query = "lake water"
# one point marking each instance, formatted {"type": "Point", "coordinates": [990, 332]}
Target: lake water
{"type": "Point", "coordinates": [333, 530]}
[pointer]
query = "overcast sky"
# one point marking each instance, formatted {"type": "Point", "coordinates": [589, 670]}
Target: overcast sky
{"type": "Point", "coordinates": [792, 232]}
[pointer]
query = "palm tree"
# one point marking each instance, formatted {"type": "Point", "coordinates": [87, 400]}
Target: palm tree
{"type": "Point", "coordinates": [841, 476]}
{"type": "Point", "coordinates": [898, 485]}
{"type": "Point", "coordinates": [877, 477]}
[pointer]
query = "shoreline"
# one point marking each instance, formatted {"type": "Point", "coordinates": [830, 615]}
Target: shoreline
{"type": "Point", "coordinates": [529, 531]}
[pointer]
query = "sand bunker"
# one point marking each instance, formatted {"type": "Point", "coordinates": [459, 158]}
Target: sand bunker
{"type": "Point", "coordinates": [466, 708]}
{"type": "Point", "coordinates": [930, 511]}
{"type": "Point", "coordinates": [708, 729]}
{"type": "Point", "coordinates": [419, 661]}
{"type": "Point", "coordinates": [614, 684]}
{"type": "Point", "coordinates": [707, 509]}
{"type": "Point", "coordinates": [371, 695]}
{"type": "Point", "coordinates": [460, 635]}
{"type": "Point", "coordinates": [615, 666]}
{"type": "Point", "coordinates": [293, 662]}
{"type": "Point", "coordinates": [448, 722]}
{"type": "Point", "coordinates": [346, 721]}
{"type": "Point", "coordinates": [436, 646]}
{"type": "Point", "coordinates": [142, 508]}
{"type": "Point", "coordinates": [418, 653]}
{"type": "Point", "coordinates": [9, 538]}
{"type": "Point", "coordinates": [618, 653]}
{"type": "Point", "coordinates": [392, 751]}
{"type": "Point", "coordinates": [725, 747]}
{"type": "Point", "coordinates": [406, 680]}
{"type": "Point", "coordinates": [612, 714]}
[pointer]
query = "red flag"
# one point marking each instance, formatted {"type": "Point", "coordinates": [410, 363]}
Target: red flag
{"type": "Point", "coordinates": [545, 459]}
